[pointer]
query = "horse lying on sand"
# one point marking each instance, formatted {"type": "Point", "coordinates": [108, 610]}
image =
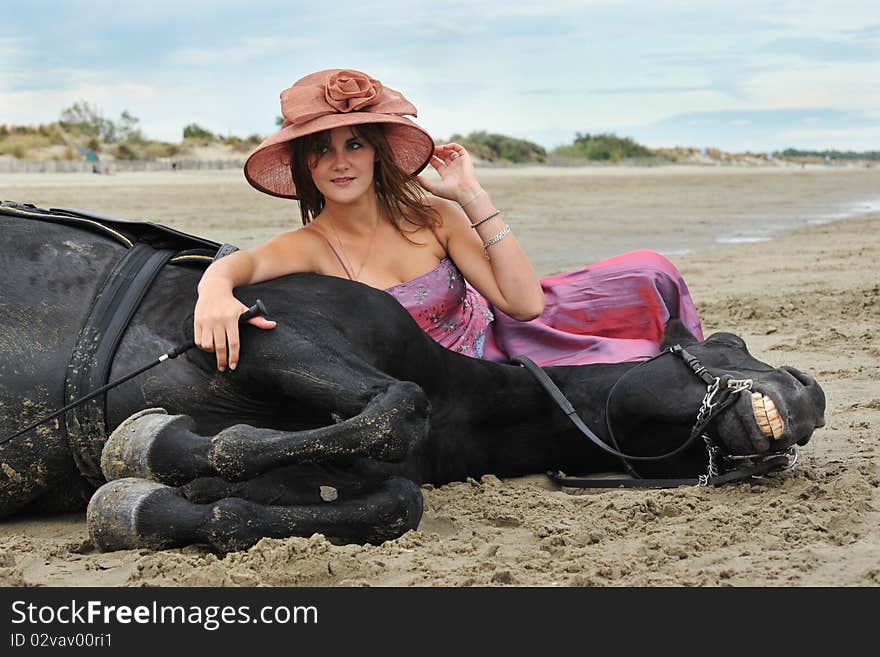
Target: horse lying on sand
{"type": "Point", "coordinates": [332, 420]}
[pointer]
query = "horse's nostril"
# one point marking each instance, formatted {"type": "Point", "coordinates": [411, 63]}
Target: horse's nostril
{"type": "Point", "coordinates": [805, 379]}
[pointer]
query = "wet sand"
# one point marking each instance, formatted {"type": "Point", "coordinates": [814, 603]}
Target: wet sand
{"type": "Point", "coordinates": [565, 217]}
{"type": "Point", "coordinates": [808, 298]}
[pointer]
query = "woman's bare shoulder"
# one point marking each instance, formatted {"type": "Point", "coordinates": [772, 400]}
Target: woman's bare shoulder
{"type": "Point", "coordinates": [288, 252]}
{"type": "Point", "coordinates": [308, 236]}
{"type": "Point", "coordinates": [441, 205]}
{"type": "Point", "coordinates": [449, 212]}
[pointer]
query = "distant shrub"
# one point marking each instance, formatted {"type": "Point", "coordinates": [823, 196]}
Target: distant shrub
{"type": "Point", "coordinates": [495, 147]}
{"type": "Point", "coordinates": [86, 119]}
{"type": "Point", "coordinates": [127, 130]}
{"type": "Point", "coordinates": [125, 151]}
{"type": "Point", "coordinates": [17, 144]}
{"type": "Point", "coordinates": [603, 147]}
{"type": "Point", "coordinates": [195, 131]}
{"type": "Point", "coordinates": [834, 155]}
{"type": "Point", "coordinates": [243, 145]}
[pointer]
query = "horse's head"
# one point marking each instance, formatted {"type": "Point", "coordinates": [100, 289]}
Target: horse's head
{"type": "Point", "coordinates": [782, 407]}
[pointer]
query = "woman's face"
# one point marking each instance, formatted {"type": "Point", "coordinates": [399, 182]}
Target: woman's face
{"type": "Point", "coordinates": [343, 169]}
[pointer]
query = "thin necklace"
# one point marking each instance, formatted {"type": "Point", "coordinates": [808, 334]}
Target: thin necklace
{"type": "Point", "coordinates": [356, 276]}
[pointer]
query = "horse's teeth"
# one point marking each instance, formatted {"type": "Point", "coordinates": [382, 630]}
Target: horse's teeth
{"type": "Point", "coordinates": [767, 416]}
{"type": "Point", "coordinates": [776, 423]}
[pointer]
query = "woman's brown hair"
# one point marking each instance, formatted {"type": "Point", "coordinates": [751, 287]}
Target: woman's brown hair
{"type": "Point", "coordinates": [400, 197]}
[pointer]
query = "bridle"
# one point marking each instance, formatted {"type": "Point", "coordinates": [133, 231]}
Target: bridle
{"type": "Point", "coordinates": [723, 467]}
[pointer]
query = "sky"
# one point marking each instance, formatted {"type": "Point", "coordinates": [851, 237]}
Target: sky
{"type": "Point", "coordinates": [747, 75]}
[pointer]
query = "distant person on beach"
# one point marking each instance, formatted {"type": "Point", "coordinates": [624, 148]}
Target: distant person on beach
{"type": "Point", "coordinates": [438, 244]}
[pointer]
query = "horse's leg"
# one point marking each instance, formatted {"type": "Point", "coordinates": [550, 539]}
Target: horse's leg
{"type": "Point", "coordinates": [134, 513]}
{"type": "Point", "coordinates": [166, 448]}
{"type": "Point", "coordinates": [290, 485]}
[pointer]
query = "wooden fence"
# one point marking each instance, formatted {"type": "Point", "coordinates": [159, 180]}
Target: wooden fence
{"type": "Point", "coordinates": [12, 165]}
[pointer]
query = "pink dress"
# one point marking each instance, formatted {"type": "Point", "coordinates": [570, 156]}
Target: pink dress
{"type": "Point", "coordinates": [610, 312]}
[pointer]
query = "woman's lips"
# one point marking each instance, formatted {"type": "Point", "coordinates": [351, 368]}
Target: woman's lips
{"type": "Point", "coordinates": [341, 181]}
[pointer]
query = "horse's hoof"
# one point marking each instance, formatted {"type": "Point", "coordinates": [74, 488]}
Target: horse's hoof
{"type": "Point", "coordinates": [112, 514]}
{"type": "Point", "coordinates": [126, 452]}
{"type": "Point", "coordinates": [399, 509]}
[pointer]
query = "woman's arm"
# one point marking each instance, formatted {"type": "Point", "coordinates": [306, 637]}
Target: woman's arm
{"type": "Point", "coordinates": [507, 278]}
{"type": "Point", "coordinates": [215, 323]}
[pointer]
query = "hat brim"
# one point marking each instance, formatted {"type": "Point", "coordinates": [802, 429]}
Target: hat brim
{"type": "Point", "coordinates": [267, 169]}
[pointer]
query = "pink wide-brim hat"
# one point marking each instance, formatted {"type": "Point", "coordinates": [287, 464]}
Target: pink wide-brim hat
{"type": "Point", "coordinates": [330, 99]}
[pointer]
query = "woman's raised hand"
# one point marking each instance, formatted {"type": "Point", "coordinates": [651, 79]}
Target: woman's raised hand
{"type": "Point", "coordinates": [458, 181]}
{"type": "Point", "coordinates": [215, 325]}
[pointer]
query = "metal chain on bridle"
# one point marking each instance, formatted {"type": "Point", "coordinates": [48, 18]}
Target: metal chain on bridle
{"type": "Point", "coordinates": [704, 416]}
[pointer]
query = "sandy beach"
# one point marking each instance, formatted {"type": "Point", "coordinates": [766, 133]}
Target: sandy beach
{"type": "Point", "coordinates": [809, 297]}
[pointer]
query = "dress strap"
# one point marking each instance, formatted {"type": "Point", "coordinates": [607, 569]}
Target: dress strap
{"type": "Point", "coordinates": [335, 252]}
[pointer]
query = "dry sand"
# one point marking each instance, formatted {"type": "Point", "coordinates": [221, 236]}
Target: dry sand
{"type": "Point", "coordinates": [809, 298]}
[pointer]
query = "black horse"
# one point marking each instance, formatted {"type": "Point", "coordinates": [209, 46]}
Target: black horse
{"type": "Point", "coordinates": [332, 419]}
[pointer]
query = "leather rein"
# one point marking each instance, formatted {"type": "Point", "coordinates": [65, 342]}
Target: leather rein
{"type": "Point", "coordinates": [720, 395]}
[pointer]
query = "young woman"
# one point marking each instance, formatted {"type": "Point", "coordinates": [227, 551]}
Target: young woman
{"type": "Point", "coordinates": [350, 156]}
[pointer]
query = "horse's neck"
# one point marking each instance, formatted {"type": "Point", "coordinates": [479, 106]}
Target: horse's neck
{"type": "Point", "coordinates": [510, 396]}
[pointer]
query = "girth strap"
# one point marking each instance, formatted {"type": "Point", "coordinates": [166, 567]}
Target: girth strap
{"type": "Point", "coordinates": [89, 366]}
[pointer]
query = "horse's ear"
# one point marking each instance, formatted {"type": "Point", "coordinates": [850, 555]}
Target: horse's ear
{"type": "Point", "coordinates": [677, 333]}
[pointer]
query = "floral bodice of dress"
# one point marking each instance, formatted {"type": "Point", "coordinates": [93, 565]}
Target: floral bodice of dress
{"type": "Point", "coordinates": [447, 308]}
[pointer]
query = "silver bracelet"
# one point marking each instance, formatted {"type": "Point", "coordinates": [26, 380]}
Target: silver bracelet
{"type": "Point", "coordinates": [494, 240]}
{"type": "Point", "coordinates": [485, 219]}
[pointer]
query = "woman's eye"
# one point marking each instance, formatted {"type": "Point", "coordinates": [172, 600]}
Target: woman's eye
{"type": "Point", "coordinates": [354, 145]}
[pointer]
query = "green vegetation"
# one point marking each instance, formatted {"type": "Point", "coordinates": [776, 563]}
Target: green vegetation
{"type": "Point", "coordinates": [834, 155]}
{"type": "Point", "coordinates": [603, 147]}
{"type": "Point", "coordinates": [196, 135]}
{"type": "Point", "coordinates": [195, 131]}
{"type": "Point", "coordinates": [500, 148]}
{"type": "Point", "coordinates": [17, 141]}
{"type": "Point", "coordinates": [83, 126]}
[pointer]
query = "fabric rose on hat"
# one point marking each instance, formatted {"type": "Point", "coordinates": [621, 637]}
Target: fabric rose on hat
{"type": "Point", "coordinates": [349, 91]}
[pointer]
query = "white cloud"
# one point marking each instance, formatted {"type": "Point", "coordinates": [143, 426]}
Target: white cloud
{"type": "Point", "coordinates": [247, 49]}
{"type": "Point", "coordinates": [602, 64]}
{"type": "Point", "coordinates": [850, 85]}
{"type": "Point", "coordinates": [13, 69]}
{"type": "Point", "coordinates": [866, 135]}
